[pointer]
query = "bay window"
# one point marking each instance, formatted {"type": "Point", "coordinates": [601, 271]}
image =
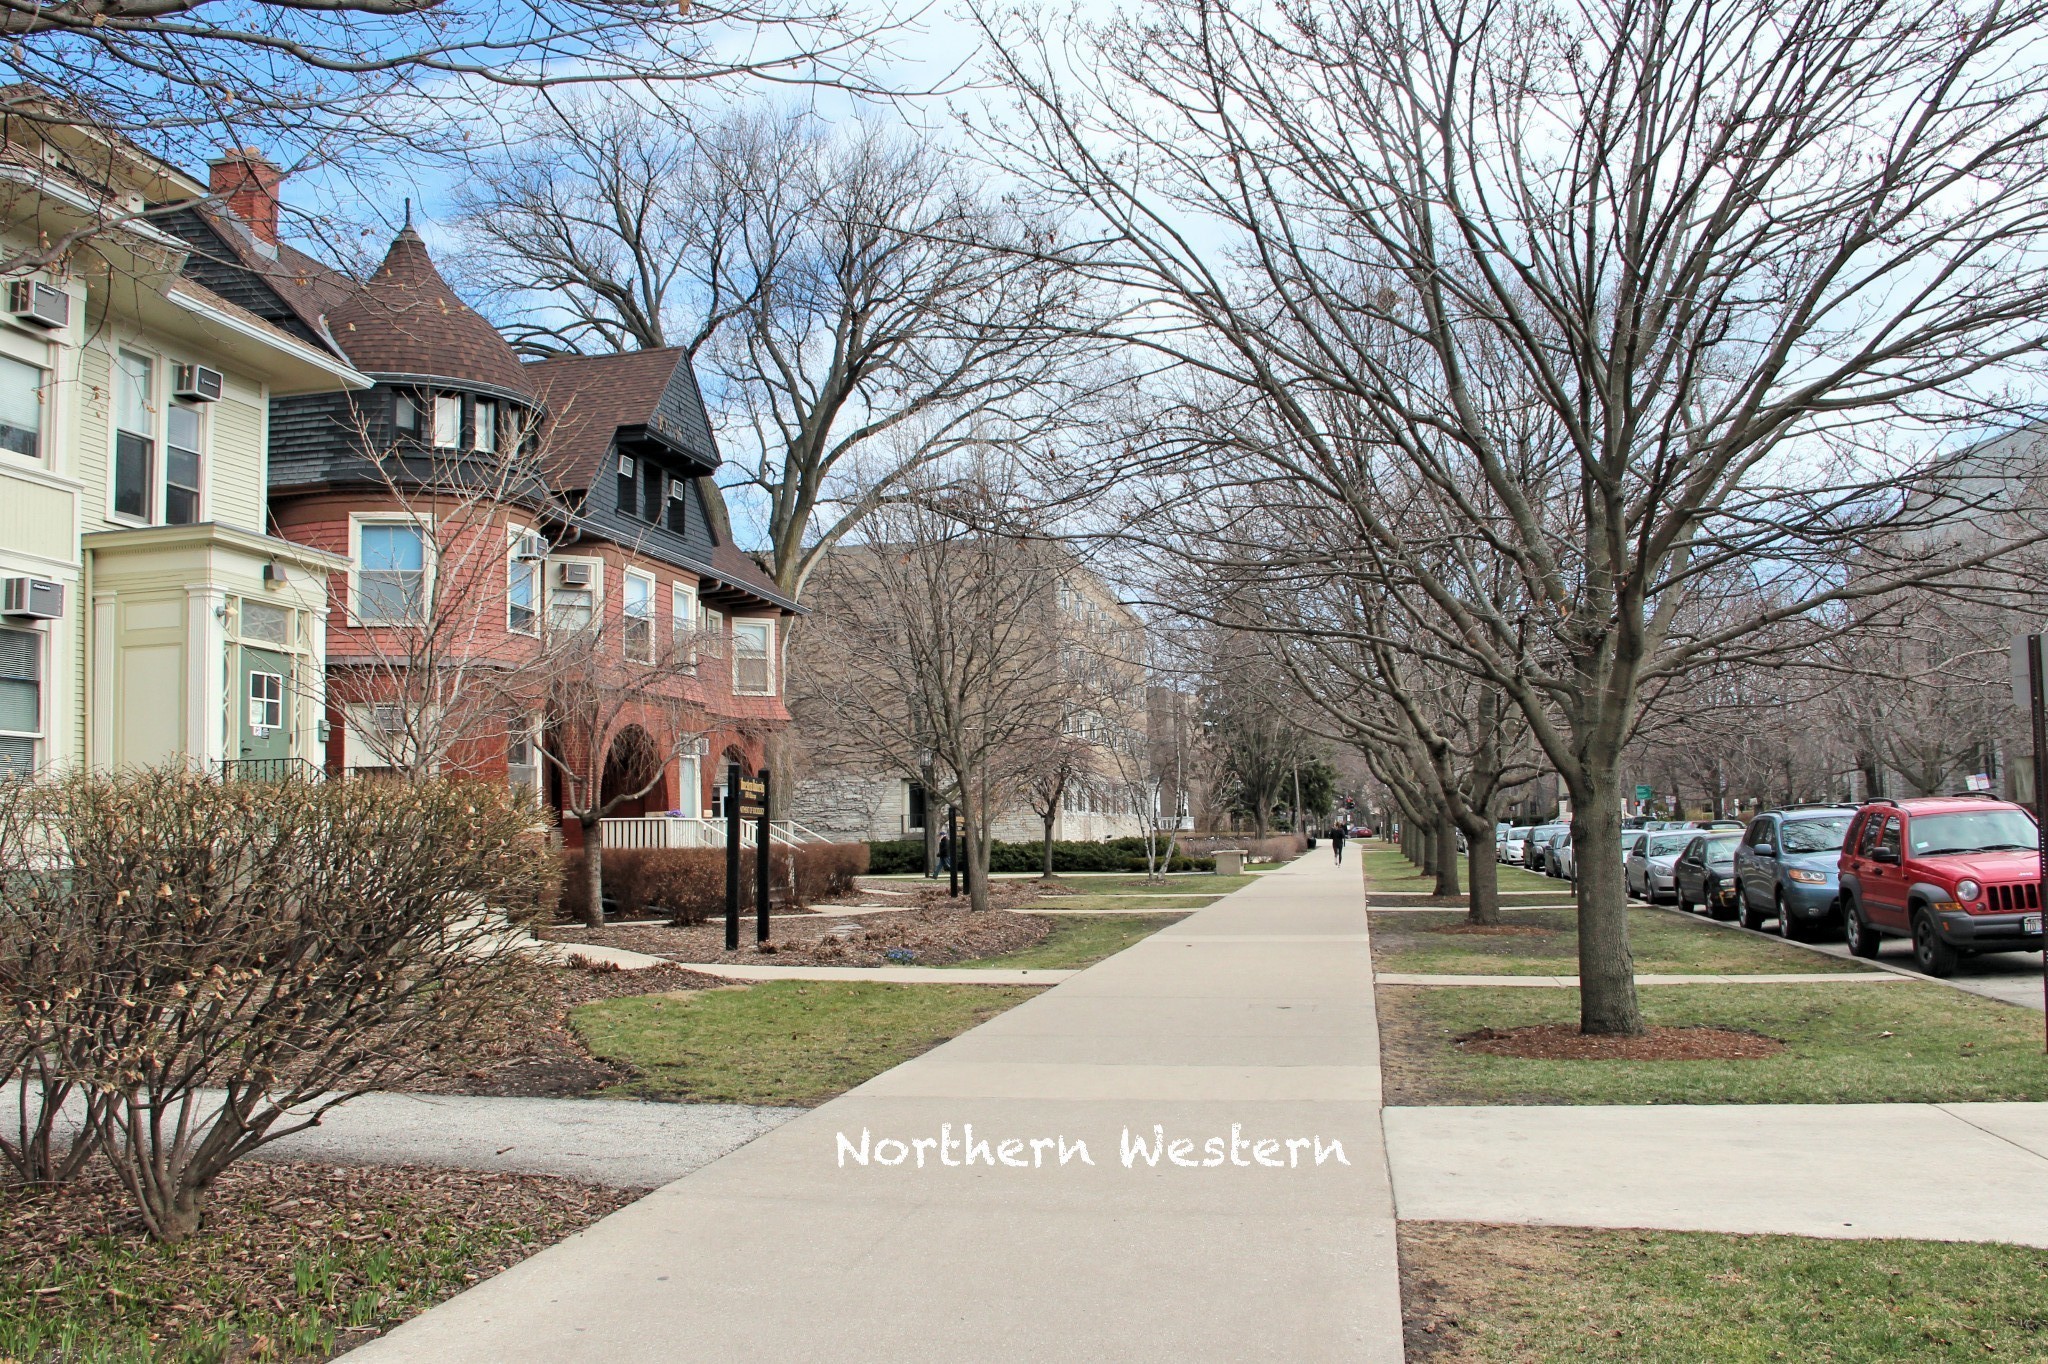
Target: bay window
{"type": "Point", "coordinates": [391, 577]}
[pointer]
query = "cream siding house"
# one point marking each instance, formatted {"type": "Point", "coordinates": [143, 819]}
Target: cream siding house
{"type": "Point", "coordinates": [148, 617]}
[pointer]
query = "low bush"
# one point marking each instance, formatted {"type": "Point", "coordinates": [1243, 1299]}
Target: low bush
{"type": "Point", "coordinates": [212, 966]}
{"type": "Point", "coordinates": [1115, 855]}
{"type": "Point", "coordinates": [688, 884]}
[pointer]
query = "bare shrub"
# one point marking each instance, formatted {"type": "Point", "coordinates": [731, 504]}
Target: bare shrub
{"type": "Point", "coordinates": [825, 871]}
{"type": "Point", "coordinates": [243, 957]}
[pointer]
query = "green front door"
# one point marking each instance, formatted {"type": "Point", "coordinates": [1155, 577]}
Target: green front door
{"type": "Point", "coordinates": [265, 705]}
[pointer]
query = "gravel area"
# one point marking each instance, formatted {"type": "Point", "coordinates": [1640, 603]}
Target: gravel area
{"type": "Point", "coordinates": [923, 936]}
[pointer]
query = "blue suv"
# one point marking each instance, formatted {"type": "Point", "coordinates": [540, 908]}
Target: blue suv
{"type": "Point", "coordinates": [1786, 868]}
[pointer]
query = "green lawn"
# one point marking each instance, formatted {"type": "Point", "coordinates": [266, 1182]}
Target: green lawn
{"type": "Point", "coordinates": [1536, 1295]}
{"type": "Point", "coordinates": [1077, 942]}
{"type": "Point", "coordinates": [1902, 1042]}
{"type": "Point", "coordinates": [779, 1042]}
{"type": "Point", "coordinates": [1387, 870]}
{"type": "Point", "coordinates": [1661, 942]}
{"type": "Point", "coordinates": [1134, 903]}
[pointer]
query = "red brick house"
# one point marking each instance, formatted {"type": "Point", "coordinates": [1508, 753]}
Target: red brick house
{"type": "Point", "coordinates": [486, 505]}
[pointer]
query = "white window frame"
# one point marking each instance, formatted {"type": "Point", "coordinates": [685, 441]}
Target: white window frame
{"type": "Point", "coordinates": [524, 729]}
{"type": "Point", "coordinates": [683, 621]}
{"type": "Point", "coordinates": [454, 441]}
{"type": "Point", "coordinates": [551, 591]}
{"type": "Point", "coordinates": [483, 436]}
{"type": "Point", "coordinates": [629, 618]}
{"type": "Point", "coordinates": [538, 568]}
{"type": "Point", "coordinates": [272, 704]}
{"type": "Point", "coordinates": [747, 626]}
{"type": "Point", "coordinates": [425, 527]}
{"type": "Point", "coordinates": [38, 738]}
{"type": "Point", "coordinates": [200, 452]}
{"type": "Point", "coordinates": [41, 458]}
{"type": "Point", "coordinates": [153, 478]}
{"type": "Point", "coordinates": [714, 632]}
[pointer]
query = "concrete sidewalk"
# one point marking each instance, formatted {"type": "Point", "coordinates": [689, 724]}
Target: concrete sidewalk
{"type": "Point", "coordinates": [1794, 1169]}
{"type": "Point", "coordinates": [1247, 1031]}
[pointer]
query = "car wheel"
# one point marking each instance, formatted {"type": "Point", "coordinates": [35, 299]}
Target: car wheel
{"type": "Point", "coordinates": [1752, 918]}
{"type": "Point", "coordinates": [1684, 905]}
{"type": "Point", "coordinates": [1930, 953]}
{"type": "Point", "coordinates": [1720, 911]}
{"type": "Point", "coordinates": [1857, 932]}
{"type": "Point", "coordinates": [1789, 926]}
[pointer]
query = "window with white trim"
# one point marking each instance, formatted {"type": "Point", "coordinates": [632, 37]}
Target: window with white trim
{"type": "Point", "coordinates": [182, 464]}
{"type": "Point", "coordinates": [485, 436]}
{"type": "Point", "coordinates": [522, 753]}
{"type": "Point", "coordinates": [21, 701]}
{"type": "Point", "coordinates": [753, 657]}
{"type": "Point", "coordinates": [572, 605]}
{"type": "Point", "coordinates": [134, 436]}
{"type": "Point", "coordinates": [683, 623]}
{"type": "Point", "coordinates": [447, 421]}
{"type": "Point", "coordinates": [391, 573]}
{"type": "Point", "coordinates": [639, 608]}
{"type": "Point", "coordinates": [266, 702]}
{"type": "Point", "coordinates": [21, 408]}
{"type": "Point", "coordinates": [405, 414]}
{"type": "Point", "coordinates": [522, 589]}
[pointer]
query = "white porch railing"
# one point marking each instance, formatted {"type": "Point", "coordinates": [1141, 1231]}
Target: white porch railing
{"type": "Point", "coordinates": [687, 831]}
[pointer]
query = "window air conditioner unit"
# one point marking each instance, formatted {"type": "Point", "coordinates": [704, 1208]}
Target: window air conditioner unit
{"type": "Point", "coordinates": [531, 548]}
{"type": "Point", "coordinates": [35, 598]}
{"type": "Point", "coordinates": [388, 719]}
{"type": "Point", "coordinates": [44, 305]}
{"type": "Point", "coordinates": [198, 383]}
{"type": "Point", "coordinates": [575, 575]}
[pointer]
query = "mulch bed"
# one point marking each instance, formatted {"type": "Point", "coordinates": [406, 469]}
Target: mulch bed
{"type": "Point", "coordinates": [932, 936]}
{"type": "Point", "coordinates": [263, 1219]}
{"type": "Point", "coordinates": [534, 1054]}
{"type": "Point", "coordinates": [1563, 1042]}
{"type": "Point", "coordinates": [1496, 930]}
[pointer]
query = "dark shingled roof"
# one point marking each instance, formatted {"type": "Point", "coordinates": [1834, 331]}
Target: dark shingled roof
{"type": "Point", "coordinates": [592, 396]}
{"type": "Point", "coordinates": [406, 320]}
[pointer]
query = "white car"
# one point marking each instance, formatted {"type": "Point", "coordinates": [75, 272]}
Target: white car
{"type": "Point", "coordinates": [1514, 849]}
{"type": "Point", "coordinates": [1648, 872]}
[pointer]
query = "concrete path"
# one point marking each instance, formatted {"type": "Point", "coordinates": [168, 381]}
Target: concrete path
{"type": "Point", "coordinates": [888, 975]}
{"type": "Point", "coordinates": [1978, 1172]}
{"type": "Point", "coordinates": [626, 1145]}
{"type": "Point", "coordinates": [1247, 1030]}
{"type": "Point", "coordinates": [1572, 982]}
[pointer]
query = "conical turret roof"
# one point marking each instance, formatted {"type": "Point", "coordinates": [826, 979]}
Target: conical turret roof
{"type": "Point", "coordinates": [406, 320]}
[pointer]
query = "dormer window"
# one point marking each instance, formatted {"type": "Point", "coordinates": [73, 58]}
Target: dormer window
{"type": "Point", "coordinates": [629, 484]}
{"type": "Point", "coordinates": [486, 437]}
{"type": "Point", "coordinates": [405, 415]}
{"type": "Point", "coordinates": [678, 505]}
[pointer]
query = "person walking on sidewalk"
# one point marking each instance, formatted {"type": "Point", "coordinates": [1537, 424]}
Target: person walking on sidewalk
{"type": "Point", "coordinates": [1338, 833]}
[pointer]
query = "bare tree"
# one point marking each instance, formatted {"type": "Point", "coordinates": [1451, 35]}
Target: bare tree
{"type": "Point", "coordinates": [938, 646]}
{"type": "Point", "coordinates": [1611, 296]}
{"type": "Point", "coordinates": [851, 295]}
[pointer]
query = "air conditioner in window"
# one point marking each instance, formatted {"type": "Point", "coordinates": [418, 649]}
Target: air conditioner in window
{"type": "Point", "coordinates": [530, 548]}
{"type": "Point", "coordinates": [198, 383]}
{"type": "Point", "coordinates": [575, 575]}
{"type": "Point", "coordinates": [35, 598]}
{"type": "Point", "coordinates": [43, 305]}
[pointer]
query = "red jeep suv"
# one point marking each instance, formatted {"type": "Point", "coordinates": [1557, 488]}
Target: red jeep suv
{"type": "Point", "coordinates": [1956, 874]}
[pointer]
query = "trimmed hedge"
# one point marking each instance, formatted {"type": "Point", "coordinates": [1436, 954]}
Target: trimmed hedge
{"type": "Point", "coordinates": [1117, 854]}
{"type": "Point", "coordinates": [688, 884]}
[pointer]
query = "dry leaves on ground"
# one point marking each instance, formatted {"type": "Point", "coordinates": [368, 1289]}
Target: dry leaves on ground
{"type": "Point", "coordinates": [1564, 1042]}
{"type": "Point", "coordinates": [924, 936]}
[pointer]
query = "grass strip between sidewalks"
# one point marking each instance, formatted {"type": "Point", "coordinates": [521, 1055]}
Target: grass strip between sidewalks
{"type": "Point", "coordinates": [1661, 943]}
{"type": "Point", "coordinates": [1387, 870]}
{"type": "Point", "coordinates": [794, 1042]}
{"type": "Point", "coordinates": [1533, 1295]}
{"type": "Point", "coordinates": [1890, 1042]}
{"type": "Point", "coordinates": [1075, 943]}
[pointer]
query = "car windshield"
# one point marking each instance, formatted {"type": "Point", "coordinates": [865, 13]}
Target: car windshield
{"type": "Point", "coordinates": [1971, 831]}
{"type": "Point", "coordinates": [1721, 850]}
{"type": "Point", "coordinates": [1669, 845]}
{"type": "Point", "coordinates": [1815, 835]}
{"type": "Point", "coordinates": [1518, 833]}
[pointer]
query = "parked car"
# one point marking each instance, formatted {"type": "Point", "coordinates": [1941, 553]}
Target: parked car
{"type": "Point", "coordinates": [1956, 874]}
{"type": "Point", "coordinates": [1647, 873]}
{"type": "Point", "coordinates": [1515, 847]}
{"type": "Point", "coordinates": [1567, 854]}
{"type": "Point", "coordinates": [1704, 873]}
{"type": "Point", "coordinates": [1786, 869]}
{"type": "Point", "coordinates": [1716, 825]}
{"type": "Point", "coordinates": [1538, 857]}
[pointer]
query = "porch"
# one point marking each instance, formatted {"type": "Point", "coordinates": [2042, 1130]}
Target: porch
{"type": "Point", "coordinates": [696, 831]}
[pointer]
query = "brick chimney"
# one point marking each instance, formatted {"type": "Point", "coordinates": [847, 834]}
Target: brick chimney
{"type": "Point", "coordinates": [245, 181]}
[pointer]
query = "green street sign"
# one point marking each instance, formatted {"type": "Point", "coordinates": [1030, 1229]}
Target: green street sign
{"type": "Point", "coordinates": [1643, 793]}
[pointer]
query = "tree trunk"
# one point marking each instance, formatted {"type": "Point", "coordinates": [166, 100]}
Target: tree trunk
{"type": "Point", "coordinates": [1607, 971]}
{"type": "Point", "coordinates": [593, 872]}
{"type": "Point", "coordinates": [972, 817]}
{"type": "Point", "coordinates": [1425, 838]}
{"type": "Point", "coordinates": [1446, 854]}
{"type": "Point", "coordinates": [1051, 814]}
{"type": "Point", "coordinates": [1484, 875]}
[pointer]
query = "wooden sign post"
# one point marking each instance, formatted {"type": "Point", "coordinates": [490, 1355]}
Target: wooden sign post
{"type": "Point", "coordinates": [732, 857]}
{"type": "Point", "coordinates": [754, 806]}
